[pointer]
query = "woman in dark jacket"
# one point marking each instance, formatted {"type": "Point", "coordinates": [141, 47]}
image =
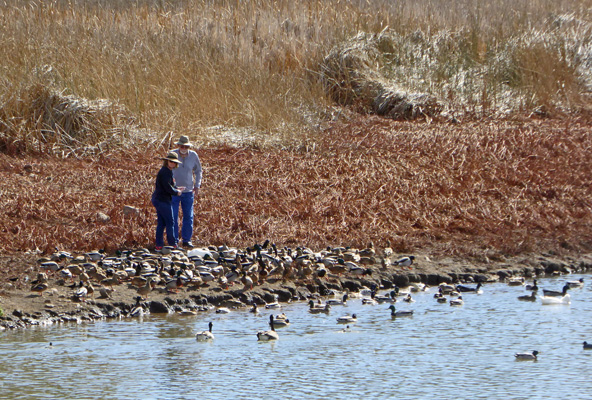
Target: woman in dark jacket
{"type": "Point", "coordinates": [164, 191]}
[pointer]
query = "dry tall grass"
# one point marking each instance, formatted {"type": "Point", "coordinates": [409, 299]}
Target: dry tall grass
{"type": "Point", "coordinates": [185, 65]}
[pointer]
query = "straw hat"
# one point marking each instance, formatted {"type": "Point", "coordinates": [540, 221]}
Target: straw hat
{"type": "Point", "coordinates": [184, 141]}
{"type": "Point", "coordinates": [171, 156]}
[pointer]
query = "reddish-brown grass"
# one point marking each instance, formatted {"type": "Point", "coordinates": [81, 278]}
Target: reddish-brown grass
{"type": "Point", "coordinates": [477, 188]}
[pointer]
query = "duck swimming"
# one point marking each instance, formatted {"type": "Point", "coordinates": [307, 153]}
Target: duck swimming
{"type": "Point", "coordinates": [205, 335]}
{"type": "Point", "coordinates": [281, 320]}
{"type": "Point", "coordinates": [530, 297]}
{"type": "Point", "coordinates": [534, 287]}
{"type": "Point", "coordinates": [395, 313]}
{"type": "Point", "coordinates": [268, 335]}
{"type": "Point", "coordinates": [527, 356]}
{"type": "Point", "coordinates": [575, 284]}
{"type": "Point", "coordinates": [554, 293]}
{"type": "Point", "coordinates": [468, 289]}
{"type": "Point", "coordinates": [315, 308]}
{"type": "Point", "coordinates": [587, 345]}
{"type": "Point", "coordinates": [335, 302]}
{"type": "Point", "coordinates": [347, 319]}
{"type": "Point", "coordinates": [457, 302]}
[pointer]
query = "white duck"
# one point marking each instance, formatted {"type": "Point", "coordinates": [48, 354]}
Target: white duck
{"type": "Point", "coordinates": [347, 319]}
{"type": "Point", "coordinates": [550, 300]}
{"type": "Point", "coordinates": [205, 335]}
{"type": "Point", "coordinates": [457, 302]}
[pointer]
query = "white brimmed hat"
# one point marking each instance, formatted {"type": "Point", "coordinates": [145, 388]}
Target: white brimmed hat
{"type": "Point", "coordinates": [171, 156]}
{"type": "Point", "coordinates": [184, 141]}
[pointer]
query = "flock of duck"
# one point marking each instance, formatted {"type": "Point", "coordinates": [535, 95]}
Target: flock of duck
{"type": "Point", "coordinates": [370, 296]}
{"type": "Point", "coordinates": [172, 269]}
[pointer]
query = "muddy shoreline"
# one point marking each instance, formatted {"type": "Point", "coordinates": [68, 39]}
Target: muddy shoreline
{"type": "Point", "coordinates": [59, 304]}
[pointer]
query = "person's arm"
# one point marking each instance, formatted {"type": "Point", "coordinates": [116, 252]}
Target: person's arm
{"type": "Point", "coordinates": [198, 174]}
{"type": "Point", "coordinates": [168, 183]}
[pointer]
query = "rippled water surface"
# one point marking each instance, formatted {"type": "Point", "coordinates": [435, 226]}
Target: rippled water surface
{"type": "Point", "coordinates": [441, 351]}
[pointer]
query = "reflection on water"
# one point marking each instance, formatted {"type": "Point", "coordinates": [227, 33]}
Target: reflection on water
{"type": "Point", "coordinates": [441, 351]}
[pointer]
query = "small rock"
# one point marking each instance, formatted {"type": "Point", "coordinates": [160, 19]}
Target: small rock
{"type": "Point", "coordinates": [129, 210]}
{"type": "Point", "coordinates": [102, 217]}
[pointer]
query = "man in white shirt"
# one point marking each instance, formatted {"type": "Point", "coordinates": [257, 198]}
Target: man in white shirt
{"type": "Point", "coordinates": [188, 176]}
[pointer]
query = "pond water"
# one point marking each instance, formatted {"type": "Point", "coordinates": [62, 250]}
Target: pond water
{"type": "Point", "coordinates": [446, 352]}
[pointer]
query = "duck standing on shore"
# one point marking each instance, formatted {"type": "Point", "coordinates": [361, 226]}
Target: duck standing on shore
{"type": "Point", "coordinates": [404, 261]}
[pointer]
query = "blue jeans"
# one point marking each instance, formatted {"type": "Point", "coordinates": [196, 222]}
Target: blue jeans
{"type": "Point", "coordinates": [164, 215]}
{"type": "Point", "coordinates": [186, 201]}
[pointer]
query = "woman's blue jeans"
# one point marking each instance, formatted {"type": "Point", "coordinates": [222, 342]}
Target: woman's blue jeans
{"type": "Point", "coordinates": [164, 214]}
{"type": "Point", "coordinates": [186, 201]}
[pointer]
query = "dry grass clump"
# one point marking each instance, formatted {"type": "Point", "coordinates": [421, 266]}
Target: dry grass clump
{"type": "Point", "coordinates": [498, 187]}
{"type": "Point", "coordinates": [40, 120]}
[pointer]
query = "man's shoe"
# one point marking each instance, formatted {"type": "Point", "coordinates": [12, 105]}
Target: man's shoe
{"type": "Point", "coordinates": [158, 248]}
{"type": "Point", "coordinates": [189, 245]}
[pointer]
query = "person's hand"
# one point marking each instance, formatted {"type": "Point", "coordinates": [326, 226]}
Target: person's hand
{"type": "Point", "coordinates": [180, 192]}
{"type": "Point", "coordinates": [195, 191]}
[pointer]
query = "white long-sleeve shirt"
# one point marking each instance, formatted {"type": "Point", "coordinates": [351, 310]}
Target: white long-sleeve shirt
{"type": "Point", "coordinates": [184, 173]}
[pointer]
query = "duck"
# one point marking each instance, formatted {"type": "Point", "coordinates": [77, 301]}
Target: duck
{"type": "Point", "coordinates": [137, 310]}
{"type": "Point", "coordinates": [145, 290]}
{"type": "Point", "coordinates": [408, 299]}
{"type": "Point", "coordinates": [174, 285]}
{"type": "Point", "coordinates": [575, 284]}
{"type": "Point", "coordinates": [446, 289]}
{"type": "Point", "coordinates": [270, 334]}
{"type": "Point", "coordinates": [275, 304]}
{"type": "Point", "coordinates": [468, 289]}
{"type": "Point", "coordinates": [587, 345]}
{"type": "Point", "coordinates": [440, 296]}
{"type": "Point", "coordinates": [517, 281]}
{"type": "Point", "coordinates": [335, 302]}
{"type": "Point", "coordinates": [534, 287]}
{"type": "Point", "coordinates": [527, 356]}
{"type": "Point", "coordinates": [254, 308]}
{"type": "Point", "coordinates": [457, 302]}
{"type": "Point", "coordinates": [347, 319]}
{"type": "Point", "coordinates": [406, 261]}
{"type": "Point", "coordinates": [281, 320]}
{"type": "Point", "coordinates": [138, 281]}
{"type": "Point", "coordinates": [39, 288]}
{"type": "Point", "coordinates": [223, 310]}
{"type": "Point", "coordinates": [554, 293]}
{"type": "Point", "coordinates": [530, 297]}
{"type": "Point", "coordinates": [549, 300]}
{"type": "Point", "coordinates": [370, 301]}
{"type": "Point", "coordinates": [404, 313]}
{"type": "Point", "coordinates": [81, 292]}
{"type": "Point", "coordinates": [316, 308]}
{"type": "Point", "coordinates": [205, 335]}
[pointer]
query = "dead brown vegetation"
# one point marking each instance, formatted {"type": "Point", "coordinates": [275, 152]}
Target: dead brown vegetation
{"type": "Point", "coordinates": [482, 187]}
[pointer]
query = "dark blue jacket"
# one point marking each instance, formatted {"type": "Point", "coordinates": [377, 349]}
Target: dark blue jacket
{"type": "Point", "coordinates": [165, 187]}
